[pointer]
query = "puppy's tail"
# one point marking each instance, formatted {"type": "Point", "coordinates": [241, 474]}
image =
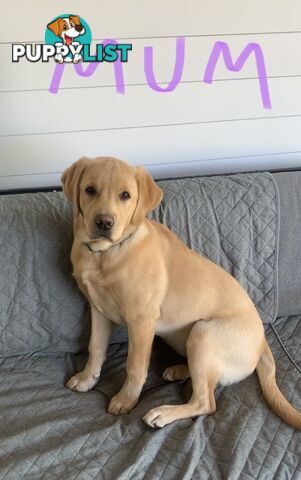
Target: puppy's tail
{"type": "Point", "coordinates": [266, 370]}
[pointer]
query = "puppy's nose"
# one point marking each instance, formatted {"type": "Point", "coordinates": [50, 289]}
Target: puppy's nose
{"type": "Point", "coordinates": [78, 28]}
{"type": "Point", "coordinates": [104, 223]}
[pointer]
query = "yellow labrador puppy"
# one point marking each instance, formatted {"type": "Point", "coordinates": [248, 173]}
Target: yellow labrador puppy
{"type": "Point", "coordinates": [136, 272]}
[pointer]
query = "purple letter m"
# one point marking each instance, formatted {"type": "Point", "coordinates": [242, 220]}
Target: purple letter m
{"type": "Point", "coordinates": [223, 48]}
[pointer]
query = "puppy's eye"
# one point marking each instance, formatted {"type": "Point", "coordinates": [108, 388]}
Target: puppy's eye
{"type": "Point", "coordinates": [65, 27]}
{"type": "Point", "coordinates": [90, 191]}
{"type": "Point", "coordinates": [125, 196]}
{"type": "Point", "coordinates": [71, 24]}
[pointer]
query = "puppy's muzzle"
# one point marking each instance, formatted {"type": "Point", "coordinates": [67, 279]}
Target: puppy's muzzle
{"type": "Point", "coordinates": [104, 223]}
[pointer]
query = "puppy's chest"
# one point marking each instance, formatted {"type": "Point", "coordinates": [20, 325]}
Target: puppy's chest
{"type": "Point", "coordinates": [101, 292]}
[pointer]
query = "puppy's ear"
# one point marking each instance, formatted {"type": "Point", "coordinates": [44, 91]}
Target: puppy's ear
{"type": "Point", "coordinates": [149, 195]}
{"type": "Point", "coordinates": [75, 19]}
{"type": "Point", "coordinates": [71, 179]}
{"type": "Point", "coordinates": [55, 27]}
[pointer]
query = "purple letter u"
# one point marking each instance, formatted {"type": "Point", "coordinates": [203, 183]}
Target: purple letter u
{"type": "Point", "coordinates": [178, 69]}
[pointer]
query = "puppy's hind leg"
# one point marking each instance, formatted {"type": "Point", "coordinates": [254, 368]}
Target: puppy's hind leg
{"type": "Point", "coordinates": [176, 372]}
{"type": "Point", "coordinates": [204, 376]}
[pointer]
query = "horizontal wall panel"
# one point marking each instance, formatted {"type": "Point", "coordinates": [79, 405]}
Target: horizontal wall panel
{"type": "Point", "coordinates": [165, 151]}
{"type": "Point", "coordinates": [200, 167]}
{"type": "Point", "coordinates": [141, 106]}
{"type": "Point", "coordinates": [28, 20]}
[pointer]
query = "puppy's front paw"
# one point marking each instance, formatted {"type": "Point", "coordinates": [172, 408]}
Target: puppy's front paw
{"type": "Point", "coordinates": [121, 404]}
{"type": "Point", "coordinates": [59, 58]}
{"type": "Point", "coordinates": [82, 382]}
{"type": "Point", "coordinates": [77, 58]}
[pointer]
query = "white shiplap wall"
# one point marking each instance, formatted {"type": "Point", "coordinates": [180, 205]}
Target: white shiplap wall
{"type": "Point", "coordinates": [197, 128]}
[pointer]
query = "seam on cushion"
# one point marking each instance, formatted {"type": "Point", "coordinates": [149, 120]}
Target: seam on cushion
{"type": "Point", "coordinates": [274, 198]}
{"type": "Point", "coordinates": [284, 348]}
{"type": "Point", "coordinates": [277, 242]}
{"type": "Point", "coordinates": [282, 325]}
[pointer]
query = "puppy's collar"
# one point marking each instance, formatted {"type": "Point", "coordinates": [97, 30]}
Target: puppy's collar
{"type": "Point", "coordinates": [89, 248]}
{"type": "Point", "coordinates": [87, 244]}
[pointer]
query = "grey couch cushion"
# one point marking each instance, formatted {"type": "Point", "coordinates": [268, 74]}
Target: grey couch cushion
{"type": "Point", "coordinates": [289, 184]}
{"type": "Point", "coordinates": [231, 219]}
{"type": "Point", "coordinates": [41, 307]}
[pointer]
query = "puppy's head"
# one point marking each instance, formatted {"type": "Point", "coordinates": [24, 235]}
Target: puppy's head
{"type": "Point", "coordinates": [110, 198]}
{"type": "Point", "coordinates": [67, 28]}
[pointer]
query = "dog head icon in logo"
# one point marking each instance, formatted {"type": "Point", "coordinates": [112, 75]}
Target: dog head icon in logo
{"type": "Point", "coordinates": [70, 32]}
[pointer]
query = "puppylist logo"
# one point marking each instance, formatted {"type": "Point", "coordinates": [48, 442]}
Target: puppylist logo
{"type": "Point", "coordinates": [68, 40]}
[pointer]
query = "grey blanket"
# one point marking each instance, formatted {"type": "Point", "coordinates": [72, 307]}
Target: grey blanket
{"type": "Point", "coordinates": [52, 433]}
{"type": "Point", "coordinates": [49, 432]}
